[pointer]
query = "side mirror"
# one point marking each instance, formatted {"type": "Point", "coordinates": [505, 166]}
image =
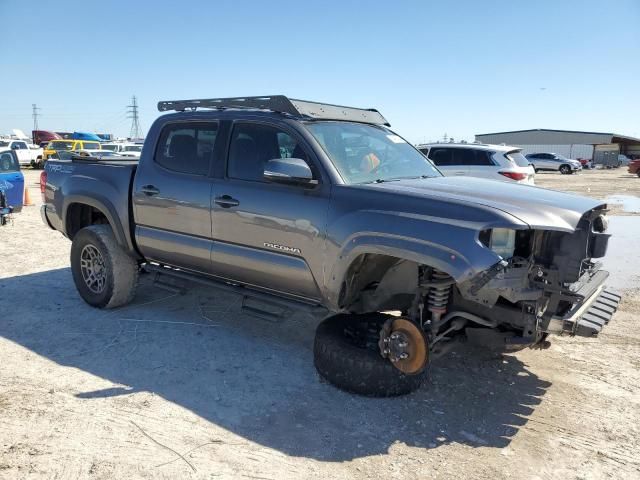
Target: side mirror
{"type": "Point", "coordinates": [291, 171]}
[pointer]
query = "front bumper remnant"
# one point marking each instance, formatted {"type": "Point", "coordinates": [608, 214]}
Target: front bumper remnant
{"type": "Point", "coordinates": [587, 319]}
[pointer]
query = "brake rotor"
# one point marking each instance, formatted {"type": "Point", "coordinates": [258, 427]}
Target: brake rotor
{"type": "Point", "coordinates": [405, 345]}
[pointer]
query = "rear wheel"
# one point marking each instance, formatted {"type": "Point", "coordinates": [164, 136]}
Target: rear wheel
{"type": "Point", "coordinates": [346, 353]}
{"type": "Point", "coordinates": [565, 169]}
{"type": "Point", "coordinates": [104, 274]}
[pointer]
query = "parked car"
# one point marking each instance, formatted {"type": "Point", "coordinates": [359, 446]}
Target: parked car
{"type": "Point", "coordinates": [44, 136]}
{"type": "Point", "coordinates": [69, 154]}
{"type": "Point", "coordinates": [69, 144]}
{"type": "Point", "coordinates": [300, 206]}
{"type": "Point", "coordinates": [553, 162]}
{"type": "Point", "coordinates": [27, 154]}
{"type": "Point", "coordinates": [127, 149]}
{"type": "Point", "coordinates": [12, 179]}
{"type": "Point", "coordinates": [634, 167]}
{"type": "Point", "coordinates": [586, 163]}
{"type": "Point", "coordinates": [495, 162]}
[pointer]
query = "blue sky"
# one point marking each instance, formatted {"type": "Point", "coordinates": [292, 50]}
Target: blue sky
{"type": "Point", "coordinates": [454, 67]}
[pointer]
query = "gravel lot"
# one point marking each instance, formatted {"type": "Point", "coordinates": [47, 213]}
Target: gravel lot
{"type": "Point", "coordinates": [185, 386]}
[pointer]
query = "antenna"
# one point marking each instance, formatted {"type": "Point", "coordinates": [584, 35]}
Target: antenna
{"type": "Point", "coordinates": [35, 115]}
{"type": "Point", "coordinates": [133, 115]}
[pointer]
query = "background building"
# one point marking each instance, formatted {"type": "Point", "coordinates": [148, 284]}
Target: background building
{"type": "Point", "coordinates": [600, 147]}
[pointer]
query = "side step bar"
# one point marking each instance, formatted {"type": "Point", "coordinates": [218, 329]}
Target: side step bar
{"type": "Point", "coordinates": [254, 302]}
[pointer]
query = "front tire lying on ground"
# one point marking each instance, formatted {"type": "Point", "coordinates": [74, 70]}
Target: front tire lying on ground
{"type": "Point", "coordinates": [355, 364]}
{"type": "Point", "coordinates": [104, 274]}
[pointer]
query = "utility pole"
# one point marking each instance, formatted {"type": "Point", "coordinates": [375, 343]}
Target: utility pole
{"type": "Point", "coordinates": [133, 115]}
{"type": "Point", "coordinates": [35, 115]}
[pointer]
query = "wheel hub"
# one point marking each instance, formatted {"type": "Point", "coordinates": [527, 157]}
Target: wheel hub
{"type": "Point", "coordinates": [405, 345]}
{"type": "Point", "coordinates": [93, 269]}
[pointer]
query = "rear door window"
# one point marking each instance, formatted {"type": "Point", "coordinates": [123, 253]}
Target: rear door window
{"type": "Point", "coordinates": [441, 157]}
{"type": "Point", "coordinates": [470, 157]}
{"type": "Point", "coordinates": [187, 147]}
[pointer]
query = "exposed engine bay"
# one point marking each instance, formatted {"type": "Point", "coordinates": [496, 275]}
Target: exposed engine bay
{"type": "Point", "coordinates": [544, 281]}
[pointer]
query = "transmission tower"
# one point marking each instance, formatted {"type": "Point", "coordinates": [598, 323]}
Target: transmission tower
{"type": "Point", "coordinates": [133, 115]}
{"type": "Point", "coordinates": [35, 115]}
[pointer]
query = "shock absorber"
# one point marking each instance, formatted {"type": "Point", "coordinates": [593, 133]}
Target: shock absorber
{"type": "Point", "coordinates": [438, 295]}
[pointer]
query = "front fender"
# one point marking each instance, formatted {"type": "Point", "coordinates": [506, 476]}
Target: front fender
{"type": "Point", "coordinates": [445, 244]}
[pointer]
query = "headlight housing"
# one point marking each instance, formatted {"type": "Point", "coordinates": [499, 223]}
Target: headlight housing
{"type": "Point", "coordinates": [502, 241]}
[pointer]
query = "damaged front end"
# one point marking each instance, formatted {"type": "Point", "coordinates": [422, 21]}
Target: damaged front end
{"type": "Point", "coordinates": [546, 282]}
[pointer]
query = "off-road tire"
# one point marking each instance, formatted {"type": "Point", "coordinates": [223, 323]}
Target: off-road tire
{"type": "Point", "coordinates": [356, 369]}
{"type": "Point", "coordinates": [565, 169]}
{"type": "Point", "coordinates": [121, 271]}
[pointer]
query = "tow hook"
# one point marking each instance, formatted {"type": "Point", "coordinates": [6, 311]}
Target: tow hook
{"type": "Point", "coordinates": [404, 344]}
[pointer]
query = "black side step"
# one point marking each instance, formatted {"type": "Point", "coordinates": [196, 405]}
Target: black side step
{"type": "Point", "coordinates": [255, 302]}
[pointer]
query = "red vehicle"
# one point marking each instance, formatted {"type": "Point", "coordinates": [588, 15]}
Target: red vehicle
{"type": "Point", "coordinates": [40, 136]}
{"type": "Point", "coordinates": [634, 166]}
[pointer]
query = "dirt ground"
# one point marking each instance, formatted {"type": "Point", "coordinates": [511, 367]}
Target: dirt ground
{"type": "Point", "coordinates": [185, 386]}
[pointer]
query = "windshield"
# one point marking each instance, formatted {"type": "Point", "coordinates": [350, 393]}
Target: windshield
{"type": "Point", "coordinates": [4, 144]}
{"type": "Point", "coordinates": [113, 148]}
{"type": "Point", "coordinates": [133, 148]}
{"type": "Point", "coordinates": [518, 158]}
{"type": "Point", "coordinates": [60, 145]}
{"type": "Point", "coordinates": [368, 153]}
{"type": "Point", "coordinates": [91, 146]}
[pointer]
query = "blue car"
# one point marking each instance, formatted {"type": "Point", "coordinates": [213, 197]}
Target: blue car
{"type": "Point", "coordinates": [11, 179]}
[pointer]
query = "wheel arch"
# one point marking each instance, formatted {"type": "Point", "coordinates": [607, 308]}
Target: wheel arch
{"type": "Point", "coordinates": [385, 253]}
{"type": "Point", "coordinates": [81, 211]}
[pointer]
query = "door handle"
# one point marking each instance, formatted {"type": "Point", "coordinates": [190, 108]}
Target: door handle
{"type": "Point", "coordinates": [459, 173]}
{"type": "Point", "coordinates": [149, 190]}
{"type": "Point", "coordinates": [226, 201]}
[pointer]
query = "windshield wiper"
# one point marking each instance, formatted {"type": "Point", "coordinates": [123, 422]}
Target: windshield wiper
{"type": "Point", "coordinates": [395, 179]}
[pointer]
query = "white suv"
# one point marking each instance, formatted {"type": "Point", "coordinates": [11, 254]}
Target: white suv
{"type": "Point", "coordinates": [496, 162]}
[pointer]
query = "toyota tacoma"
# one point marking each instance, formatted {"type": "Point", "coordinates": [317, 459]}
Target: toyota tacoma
{"type": "Point", "coordinates": [304, 206]}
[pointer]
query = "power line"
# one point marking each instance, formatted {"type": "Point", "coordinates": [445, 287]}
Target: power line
{"type": "Point", "coordinates": [133, 115]}
{"type": "Point", "coordinates": [35, 115]}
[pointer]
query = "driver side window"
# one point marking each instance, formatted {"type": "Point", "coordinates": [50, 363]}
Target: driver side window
{"type": "Point", "coordinates": [253, 145]}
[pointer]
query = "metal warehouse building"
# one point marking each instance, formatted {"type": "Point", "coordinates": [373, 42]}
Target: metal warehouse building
{"type": "Point", "coordinates": [600, 147]}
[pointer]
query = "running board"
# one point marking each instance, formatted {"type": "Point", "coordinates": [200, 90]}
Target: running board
{"type": "Point", "coordinates": [254, 302]}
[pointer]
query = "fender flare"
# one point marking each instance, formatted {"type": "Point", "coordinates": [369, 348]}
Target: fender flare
{"type": "Point", "coordinates": [422, 252]}
{"type": "Point", "coordinates": [101, 204]}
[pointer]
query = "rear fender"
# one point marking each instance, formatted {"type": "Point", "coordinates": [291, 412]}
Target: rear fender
{"type": "Point", "coordinates": [103, 205]}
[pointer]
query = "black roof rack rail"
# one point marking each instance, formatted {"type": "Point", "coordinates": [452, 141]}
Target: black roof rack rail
{"type": "Point", "coordinates": [281, 104]}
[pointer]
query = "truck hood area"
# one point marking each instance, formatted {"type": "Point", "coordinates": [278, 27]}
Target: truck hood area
{"type": "Point", "coordinates": [537, 207]}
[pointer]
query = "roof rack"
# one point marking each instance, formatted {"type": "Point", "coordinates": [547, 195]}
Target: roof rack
{"type": "Point", "coordinates": [281, 104]}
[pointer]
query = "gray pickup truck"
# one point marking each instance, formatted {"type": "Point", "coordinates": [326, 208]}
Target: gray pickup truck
{"type": "Point", "coordinates": [302, 206]}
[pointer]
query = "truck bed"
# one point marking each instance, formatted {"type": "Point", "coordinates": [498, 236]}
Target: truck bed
{"type": "Point", "coordinates": [102, 184]}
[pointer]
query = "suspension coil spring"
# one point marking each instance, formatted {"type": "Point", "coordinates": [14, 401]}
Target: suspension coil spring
{"type": "Point", "coordinates": [438, 296]}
